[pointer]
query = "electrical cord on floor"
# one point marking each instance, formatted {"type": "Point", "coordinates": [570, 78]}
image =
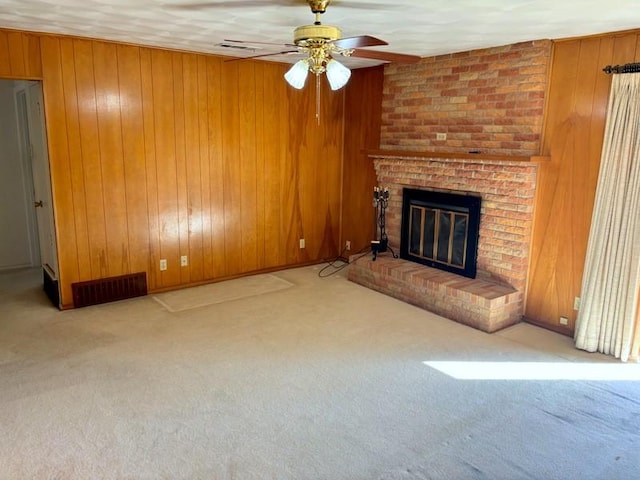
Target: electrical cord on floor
{"type": "Point", "coordinates": [344, 264]}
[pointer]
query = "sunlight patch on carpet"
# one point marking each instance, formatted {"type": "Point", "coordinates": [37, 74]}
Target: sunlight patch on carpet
{"type": "Point", "coordinates": [214, 293]}
{"type": "Point", "coordinates": [537, 370]}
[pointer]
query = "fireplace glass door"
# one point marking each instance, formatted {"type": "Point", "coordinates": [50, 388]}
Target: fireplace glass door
{"type": "Point", "coordinates": [439, 235]}
{"type": "Point", "coordinates": [440, 230]}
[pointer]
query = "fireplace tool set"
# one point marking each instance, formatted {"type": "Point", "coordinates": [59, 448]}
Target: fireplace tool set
{"type": "Point", "coordinates": [380, 243]}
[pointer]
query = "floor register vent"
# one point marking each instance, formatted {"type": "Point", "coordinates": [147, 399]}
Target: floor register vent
{"type": "Point", "coordinates": [111, 289]}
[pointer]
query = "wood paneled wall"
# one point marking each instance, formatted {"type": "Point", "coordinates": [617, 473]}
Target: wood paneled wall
{"type": "Point", "coordinates": [157, 154]}
{"type": "Point", "coordinates": [573, 136]}
{"type": "Point", "coordinates": [20, 55]}
{"type": "Point", "coordinates": [363, 113]}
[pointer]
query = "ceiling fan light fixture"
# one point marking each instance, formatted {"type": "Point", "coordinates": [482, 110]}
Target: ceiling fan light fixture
{"type": "Point", "coordinates": [297, 75]}
{"type": "Point", "coordinates": [337, 74]}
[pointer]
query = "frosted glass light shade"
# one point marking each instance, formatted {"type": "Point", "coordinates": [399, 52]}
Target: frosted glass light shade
{"type": "Point", "coordinates": [297, 75]}
{"type": "Point", "coordinates": [337, 74]}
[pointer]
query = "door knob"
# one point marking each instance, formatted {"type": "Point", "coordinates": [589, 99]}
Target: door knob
{"type": "Point", "coordinates": [37, 204]}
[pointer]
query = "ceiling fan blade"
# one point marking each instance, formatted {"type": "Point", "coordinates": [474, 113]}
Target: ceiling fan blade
{"type": "Point", "coordinates": [365, 5]}
{"type": "Point", "coordinates": [285, 52]}
{"type": "Point", "coordinates": [284, 3]}
{"type": "Point", "coordinates": [251, 42]}
{"type": "Point", "coordinates": [359, 41]}
{"type": "Point", "coordinates": [386, 56]}
{"type": "Point", "coordinates": [229, 4]}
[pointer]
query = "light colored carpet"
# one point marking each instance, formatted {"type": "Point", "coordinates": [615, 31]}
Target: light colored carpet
{"type": "Point", "coordinates": [323, 380]}
{"type": "Point", "coordinates": [236, 289]}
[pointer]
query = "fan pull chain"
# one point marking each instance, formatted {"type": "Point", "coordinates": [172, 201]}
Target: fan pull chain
{"type": "Point", "coordinates": [318, 98]}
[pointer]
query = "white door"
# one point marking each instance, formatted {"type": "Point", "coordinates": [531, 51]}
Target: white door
{"type": "Point", "coordinates": [42, 180]}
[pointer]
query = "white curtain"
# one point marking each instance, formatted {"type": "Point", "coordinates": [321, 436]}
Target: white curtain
{"type": "Point", "coordinates": [608, 316]}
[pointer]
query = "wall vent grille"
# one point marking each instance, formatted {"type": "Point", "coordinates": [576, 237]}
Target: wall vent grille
{"type": "Point", "coordinates": [103, 290]}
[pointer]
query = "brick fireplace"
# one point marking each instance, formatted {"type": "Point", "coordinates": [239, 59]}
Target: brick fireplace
{"type": "Point", "coordinates": [495, 298]}
{"type": "Point", "coordinates": [489, 101]}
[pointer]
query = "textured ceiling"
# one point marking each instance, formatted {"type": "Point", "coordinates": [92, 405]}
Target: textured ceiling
{"type": "Point", "coordinates": [420, 27]}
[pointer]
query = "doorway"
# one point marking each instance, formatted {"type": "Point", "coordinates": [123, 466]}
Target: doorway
{"type": "Point", "coordinates": [26, 207]}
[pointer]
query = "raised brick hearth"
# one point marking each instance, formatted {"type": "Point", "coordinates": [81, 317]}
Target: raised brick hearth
{"type": "Point", "coordinates": [482, 304]}
{"type": "Point", "coordinates": [495, 298]}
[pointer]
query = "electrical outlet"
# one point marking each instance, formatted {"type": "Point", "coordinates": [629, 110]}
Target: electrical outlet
{"type": "Point", "coordinates": [576, 303]}
{"type": "Point", "coordinates": [302, 244]}
{"type": "Point", "coordinates": [441, 136]}
{"type": "Point", "coordinates": [564, 321]}
{"type": "Point", "coordinates": [347, 245]}
{"type": "Point", "coordinates": [163, 264]}
{"type": "Point", "coordinates": [184, 261]}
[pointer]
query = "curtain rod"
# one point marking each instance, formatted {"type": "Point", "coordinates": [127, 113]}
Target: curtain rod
{"type": "Point", "coordinates": [626, 68]}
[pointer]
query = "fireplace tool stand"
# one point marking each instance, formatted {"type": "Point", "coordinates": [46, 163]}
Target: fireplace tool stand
{"type": "Point", "coordinates": [380, 243]}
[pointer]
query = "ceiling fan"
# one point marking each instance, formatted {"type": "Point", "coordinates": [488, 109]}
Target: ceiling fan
{"type": "Point", "coordinates": [320, 44]}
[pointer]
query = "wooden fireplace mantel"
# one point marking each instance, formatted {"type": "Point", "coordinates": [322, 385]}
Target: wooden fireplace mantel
{"type": "Point", "coordinates": [408, 154]}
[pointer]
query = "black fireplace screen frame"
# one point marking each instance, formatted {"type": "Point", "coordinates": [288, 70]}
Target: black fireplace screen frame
{"type": "Point", "coordinates": [463, 204]}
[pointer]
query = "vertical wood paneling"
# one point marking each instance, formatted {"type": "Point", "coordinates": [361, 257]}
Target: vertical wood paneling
{"type": "Point", "coordinates": [164, 125]}
{"type": "Point", "coordinates": [192, 167]}
{"type": "Point", "coordinates": [232, 169]}
{"type": "Point", "coordinates": [363, 111]}
{"type": "Point", "coordinates": [33, 62]}
{"type": "Point", "coordinates": [20, 55]}
{"type": "Point", "coordinates": [108, 107]}
{"type": "Point", "coordinates": [217, 124]}
{"type": "Point", "coordinates": [248, 161]}
{"type": "Point", "coordinates": [325, 206]}
{"type": "Point", "coordinates": [596, 127]}
{"type": "Point", "coordinates": [260, 148]}
{"type": "Point", "coordinates": [156, 154]}
{"type": "Point", "coordinates": [274, 138]}
{"type": "Point", "coordinates": [75, 157]}
{"type": "Point", "coordinates": [151, 171]}
{"type": "Point", "coordinates": [554, 191]}
{"type": "Point", "coordinates": [205, 109]}
{"type": "Point", "coordinates": [5, 63]}
{"type": "Point", "coordinates": [299, 103]}
{"type": "Point", "coordinates": [330, 247]}
{"type": "Point", "coordinates": [133, 146]}
{"type": "Point", "coordinates": [287, 199]}
{"type": "Point", "coordinates": [573, 135]}
{"type": "Point", "coordinates": [91, 157]}
{"type": "Point", "coordinates": [181, 166]}
{"type": "Point", "coordinates": [62, 188]}
{"type": "Point", "coordinates": [16, 54]}
{"type": "Point", "coordinates": [305, 142]}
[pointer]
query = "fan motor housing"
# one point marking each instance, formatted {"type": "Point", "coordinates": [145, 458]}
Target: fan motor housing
{"type": "Point", "coordinates": [316, 32]}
